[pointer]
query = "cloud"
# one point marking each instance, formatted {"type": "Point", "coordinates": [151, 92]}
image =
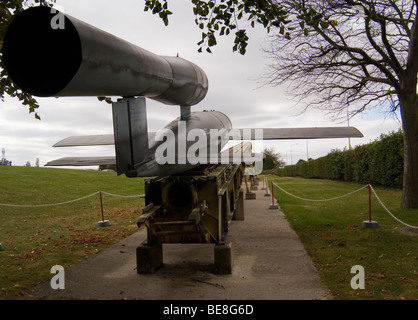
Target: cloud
{"type": "Point", "coordinates": [233, 89]}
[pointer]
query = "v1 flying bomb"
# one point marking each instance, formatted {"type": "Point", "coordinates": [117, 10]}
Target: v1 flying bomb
{"type": "Point", "coordinates": [194, 191]}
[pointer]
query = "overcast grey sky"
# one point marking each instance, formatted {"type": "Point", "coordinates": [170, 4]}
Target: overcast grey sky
{"type": "Point", "coordinates": [233, 89]}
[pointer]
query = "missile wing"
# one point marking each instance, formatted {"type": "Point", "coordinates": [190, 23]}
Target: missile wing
{"type": "Point", "coordinates": [268, 134]}
{"type": "Point", "coordinates": [91, 140]}
{"type": "Point", "coordinates": [251, 134]}
{"type": "Point", "coordinates": [306, 133]}
{"type": "Point", "coordinates": [83, 161]}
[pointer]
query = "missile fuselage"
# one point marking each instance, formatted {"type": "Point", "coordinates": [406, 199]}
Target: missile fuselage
{"type": "Point", "coordinates": [200, 136]}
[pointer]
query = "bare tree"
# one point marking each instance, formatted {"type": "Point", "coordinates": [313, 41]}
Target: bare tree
{"type": "Point", "coordinates": [354, 55]}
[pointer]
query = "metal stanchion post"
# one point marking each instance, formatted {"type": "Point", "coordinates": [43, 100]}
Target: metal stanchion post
{"type": "Point", "coordinates": [267, 194]}
{"type": "Point", "coordinates": [273, 206]}
{"type": "Point", "coordinates": [370, 224]}
{"type": "Point", "coordinates": [103, 223]}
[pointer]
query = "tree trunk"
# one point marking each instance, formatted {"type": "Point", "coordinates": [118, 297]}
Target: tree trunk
{"type": "Point", "coordinates": [409, 110]}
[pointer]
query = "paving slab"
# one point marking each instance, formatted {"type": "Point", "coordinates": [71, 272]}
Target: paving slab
{"type": "Point", "coordinates": [269, 263]}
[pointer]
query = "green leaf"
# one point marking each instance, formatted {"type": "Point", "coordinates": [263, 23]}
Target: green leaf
{"type": "Point", "coordinates": [211, 40]}
{"type": "Point", "coordinates": [324, 24]}
{"type": "Point", "coordinates": [302, 24]}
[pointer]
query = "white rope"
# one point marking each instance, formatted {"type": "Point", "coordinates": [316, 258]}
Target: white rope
{"type": "Point", "coordinates": [387, 210]}
{"type": "Point", "coordinates": [46, 205]}
{"type": "Point", "coordinates": [348, 194]}
{"type": "Point", "coordinates": [67, 202]}
{"type": "Point", "coordinates": [122, 196]}
{"type": "Point", "coordinates": [320, 200]}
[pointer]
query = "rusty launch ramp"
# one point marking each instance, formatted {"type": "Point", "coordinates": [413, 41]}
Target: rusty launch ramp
{"type": "Point", "coordinates": [269, 263]}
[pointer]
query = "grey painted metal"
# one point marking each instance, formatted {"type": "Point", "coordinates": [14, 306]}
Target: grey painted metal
{"type": "Point", "coordinates": [177, 131]}
{"type": "Point", "coordinates": [306, 133]}
{"type": "Point", "coordinates": [136, 151]}
{"type": "Point", "coordinates": [81, 60]}
{"type": "Point", "coordinates": [83, 161]}
{"type": "Point", "coordinates": [268, 134]}
{"type": "Point", "coordinates": [221, 158]}
{"type": "Point", "coordinates": [131, 132]}
{"type": "Point", "coordinates": [91, 140]}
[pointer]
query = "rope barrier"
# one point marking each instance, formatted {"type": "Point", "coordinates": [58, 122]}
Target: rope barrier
{"type": "Point", "coordinates": [320, 200]}
{"type": "Point", "coordinates": [346, 195]}
{"type": "Point", "coordinates": [67, 202]}
{"type": "Point", "coordinates": [387, 210]}
{"type": "Point", "coordinates": [122, 196]}
{"type": "Point", "coordinates": [142, 196]}
{"type": "Point", "coordinates": [46, 205]}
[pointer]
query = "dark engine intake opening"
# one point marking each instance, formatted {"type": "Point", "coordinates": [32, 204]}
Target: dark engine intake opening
{"type": "Point", "coordinates": [39, 59]}
{"type": "Point", "coordinates": [179, 195]}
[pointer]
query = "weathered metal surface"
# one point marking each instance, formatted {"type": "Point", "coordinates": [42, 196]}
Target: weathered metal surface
{"type": "Point", "coordinates": [91, 140]}
{"type": "Point", "coordinates": [137, 153]}
{"type": "Point", "coordinates": [130, 131]}
{"type": "Point", "coordinates": [81, 60]}
{"type": "Point", "coordinates": [195, 207]}
{"type": "Point", "coordinates": [305, 133]}
{"type": "Point", "coordinates": [83, 161]}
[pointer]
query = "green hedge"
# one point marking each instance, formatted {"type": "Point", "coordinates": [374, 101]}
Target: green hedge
{"type": "Point", "coordinates": [377, 163]}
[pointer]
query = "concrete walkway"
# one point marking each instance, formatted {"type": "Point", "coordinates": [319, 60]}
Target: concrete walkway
{"type": "Point", "coordinates": [269, 263]}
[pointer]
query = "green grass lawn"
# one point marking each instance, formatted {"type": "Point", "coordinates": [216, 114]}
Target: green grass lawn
{"type": "Point", "coordinates": [333, 235]}
{"type": "Point", "coordinates": [35, 239]}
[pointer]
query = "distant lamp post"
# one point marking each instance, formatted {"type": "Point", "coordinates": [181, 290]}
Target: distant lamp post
{"type": "Point", "coordinates": [348, 124]}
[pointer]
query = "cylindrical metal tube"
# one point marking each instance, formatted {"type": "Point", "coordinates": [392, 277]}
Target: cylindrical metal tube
{"type": "Point", "coordinates": [77, 59]}
{"type": "Point", "coordinates": [179, 195]}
